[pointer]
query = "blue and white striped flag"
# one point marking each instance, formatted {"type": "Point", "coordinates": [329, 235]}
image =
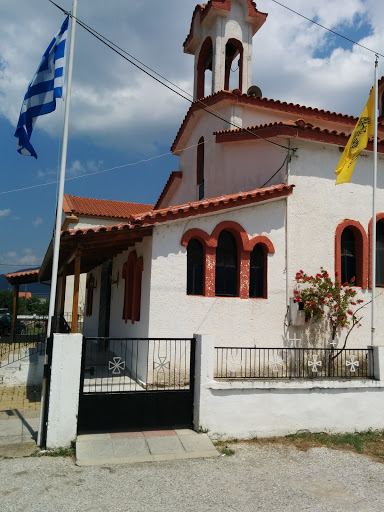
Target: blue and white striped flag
{"type": "Point", "coordinates": [45, 87]}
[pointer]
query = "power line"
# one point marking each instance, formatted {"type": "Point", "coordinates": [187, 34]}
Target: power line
{"type": "Point", "coordinates": [329, 29]}
{"type": "Point", "coordinates": [130, 164]}
{"type": "Point", "coordinates": [121, 52]}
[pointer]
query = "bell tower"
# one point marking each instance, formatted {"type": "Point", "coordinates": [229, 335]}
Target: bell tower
{"type": "Point", "coordinates": [221, 31]}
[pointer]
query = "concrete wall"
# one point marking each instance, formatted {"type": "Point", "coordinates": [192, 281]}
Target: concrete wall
{"type": "Point", "coordinates": [24, 372]}
{"type": "Point", "coordinates": [245, 409]}
{"type": "Point", "coordinates": [64, 390]}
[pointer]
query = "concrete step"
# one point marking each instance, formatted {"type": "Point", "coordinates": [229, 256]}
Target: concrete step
{"type": "Point", "coordinates": [142, 446]}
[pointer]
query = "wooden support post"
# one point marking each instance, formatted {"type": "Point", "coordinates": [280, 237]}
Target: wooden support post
{"type": "Point", "coordinates": [14, 311]}
{"type": "Point", "coordinates": [76, 286]}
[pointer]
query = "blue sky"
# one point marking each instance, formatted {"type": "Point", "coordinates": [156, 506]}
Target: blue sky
{"type": "Point", "coordinates": [120, 116]}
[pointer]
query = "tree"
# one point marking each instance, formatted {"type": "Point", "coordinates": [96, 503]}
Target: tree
{"type": "Point", "coordinates": [6, 298]}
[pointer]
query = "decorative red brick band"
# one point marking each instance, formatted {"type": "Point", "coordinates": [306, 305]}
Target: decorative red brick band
{"type": "Point", "coordinates": [244, 244]}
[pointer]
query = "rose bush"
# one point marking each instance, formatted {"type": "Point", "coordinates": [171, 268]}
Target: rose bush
{"type": "Point", "coordinates": [322, 297]}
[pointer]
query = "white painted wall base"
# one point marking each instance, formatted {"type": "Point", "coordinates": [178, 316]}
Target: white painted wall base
{"type": "Point", "coordinates": [245, 409]}
{"type": "Point", "coordinates": [64, 390]}
{"type": "Point", "coordinates": [25, 372]}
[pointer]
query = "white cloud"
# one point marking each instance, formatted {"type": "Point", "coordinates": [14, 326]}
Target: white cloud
{"type": "Point", "coordinates": [5, 212]}
{"type": "Point", "coordinates": [37, 222]}
{"type": "Point", "coordinates": [27, 257]}
{"type": "Point", "coordinates": [116, 105]}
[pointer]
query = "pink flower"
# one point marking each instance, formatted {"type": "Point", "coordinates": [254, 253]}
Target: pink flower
{"type": "Point", "coordinates": [323, 301]}
{"type": "Point", "coordinates": [353, 303]}
{"type": "Point", "coordinates": [360, 301]}
{"type": "Point", "coordinates": [336, 306]}
{"type": "Point", "coordinates": [297, 298]}
{"type": "Point", "coordinates": [311, 304]}
{"type": "Point", "coordinates": [329, 296]}
{"type": "Point", "coordinates": [336, 273]}
{"type": "Point", "coordinates": [353, 279]}
{"type": "Point", "coordinates": [295, 292]}
{"type": "Point", "coordinates": [350, 312]}
{"type": "Point", "coordinates": [345, 284]}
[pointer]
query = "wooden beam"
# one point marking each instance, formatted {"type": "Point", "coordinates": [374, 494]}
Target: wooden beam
{"type": "Point", "coordinates": [14, 311]}
{"type": "Point", "coordinates": [76, 285]}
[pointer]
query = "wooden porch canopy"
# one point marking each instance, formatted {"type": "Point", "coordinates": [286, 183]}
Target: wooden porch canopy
{"type": "Point", "coordinates": [82, 250]}
{"type": "Point", "coordinates": [16, 279]}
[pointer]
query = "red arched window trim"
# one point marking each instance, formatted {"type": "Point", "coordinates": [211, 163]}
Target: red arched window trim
{"type": "Point", "coordinates": [206, 49]}
{"type": "Point", "coordinates": [228, 63]}
{"type": "Point", "coordinates": [244, 248]}
{"type": "Point", "coordinates": [361, 251]}
{"type": "Point", "coordinates": [379, 217]}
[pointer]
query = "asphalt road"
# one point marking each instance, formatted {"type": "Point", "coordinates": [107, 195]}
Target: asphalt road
{"type": "Point", "coordinates": [269, 478]}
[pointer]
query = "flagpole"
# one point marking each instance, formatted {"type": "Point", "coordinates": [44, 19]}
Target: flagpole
{"type": "Point", "coordinates": [374, 186]}
{"type": "Point", "coordinates": [59, 207]}
{"type": "Point", "coordinates": [41, 438]}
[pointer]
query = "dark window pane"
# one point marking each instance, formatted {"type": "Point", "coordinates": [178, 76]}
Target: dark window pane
{"type": "Point", "coordinates": [348, 256]}
{"type": "Point", "coordinates": [256, 281]}
{"type": "Point", "coordinates": [226, 265]}
{"type": "Point", "coordinates": [195, 268]}
{"type": "Point", "coordinates": [380, 253]}
{"type": "Point", "coordinates": [200, 168]}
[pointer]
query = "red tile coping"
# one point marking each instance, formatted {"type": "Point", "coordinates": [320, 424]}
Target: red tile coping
{"type": "Point", "coordinates": [102, 207]}
{"type": "Point", "coordinates": [191, 209]}
{"type": "Point", "coordinates": [266, 103]}
{"type": "Point", "coordinates": [23, 273]}
{"type": "Point", "coordinates": [255, 17]}
{"type": "Point", "coordinates": [299, 129]}
{"type": "Point", "coordinates": [173, 181]}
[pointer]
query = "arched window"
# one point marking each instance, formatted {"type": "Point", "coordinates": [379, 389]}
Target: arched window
{"type": "Point", "coordinates": [233, 49]}
{"type": "Point", "coordinates": [256, 278]}
{"type": "Point", "coordinates": [380, 253]}
{"type": "Point", "coordinates": [195, 268]}
{"type": "Point", "coordinates": [348, 256]}
{"type": "Point", "coordinates": [226, 266]}
{"type": "Point", "coordinates": [204, 63]}
{"type": "Point", "coordinates": [200, 169]}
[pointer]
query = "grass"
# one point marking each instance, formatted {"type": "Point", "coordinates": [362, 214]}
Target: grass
{"type": "Point", "coordinates": [59, 452]}
{"type": "Point", "coordinates": [369, 442]}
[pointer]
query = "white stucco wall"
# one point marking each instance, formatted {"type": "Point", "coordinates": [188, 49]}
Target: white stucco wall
{"type": "Point", "coordinates": [315, 209]}
{"type": "Point", "coordinates": [232, 320]}
{"type": "Point", "coordinates": [118, 327]}
{"type": "Point", "coordinates": [64, 390]}
{"type": "Point", "coordinates": [245, 409]}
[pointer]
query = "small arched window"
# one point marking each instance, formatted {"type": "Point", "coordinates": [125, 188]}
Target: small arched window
{"type": "Point", "coordinates": [233, 49]}
{"type": "Point", "coordinates": [226, 266]}
{"type": "Point", "coordinates": [380, 253]}
{"type": "Point", "coordinates": [195, 267]}
{"type": "Point", "coordinates": [256, 278]}
{"type": "Point", "coordinates": [204, 63]}
{"type": "Point", "coordinates": [200, 169]}
{"type": "Point", "coordinates": [348, 255]}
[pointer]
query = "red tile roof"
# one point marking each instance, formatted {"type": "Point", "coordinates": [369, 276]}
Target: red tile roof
{"type": "Point", "coordinates": [102, 207]}
{"type": "Point", "coordinates": [192, 209]}
{"type": "Point", "coordinates": [255, 17]}
{"type": "Point", "coordinates": [266, 103]}
{"type": "Point", "coordinates": [299, 129]}
{"type": "Point", "coordinates": [24, 276]}
{"type": "Point", "coordinates": [174, 179]}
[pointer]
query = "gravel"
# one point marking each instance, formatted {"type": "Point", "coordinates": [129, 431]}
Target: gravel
{"type": "Point", "coordinates": [257, 478]}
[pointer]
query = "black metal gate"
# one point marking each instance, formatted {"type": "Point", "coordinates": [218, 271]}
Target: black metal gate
{"type": "Point", "coordinates": [131, 383]}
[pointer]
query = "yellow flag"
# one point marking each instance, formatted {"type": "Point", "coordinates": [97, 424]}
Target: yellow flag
{"type": "Point", "coordinates": [357, 141]}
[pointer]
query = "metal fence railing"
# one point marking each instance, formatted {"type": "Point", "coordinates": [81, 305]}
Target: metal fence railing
{"type": "Point", "coordinates": [292, 363]}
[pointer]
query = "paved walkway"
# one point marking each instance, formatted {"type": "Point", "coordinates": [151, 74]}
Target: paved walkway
{"type": "Point", "coordinates": [19, 420]}
{"type": "Point", "coordinates": [143, 446]}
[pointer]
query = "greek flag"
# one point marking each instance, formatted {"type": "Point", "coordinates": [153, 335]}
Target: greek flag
{"type": "Point", "coordinates": [45, 87]}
